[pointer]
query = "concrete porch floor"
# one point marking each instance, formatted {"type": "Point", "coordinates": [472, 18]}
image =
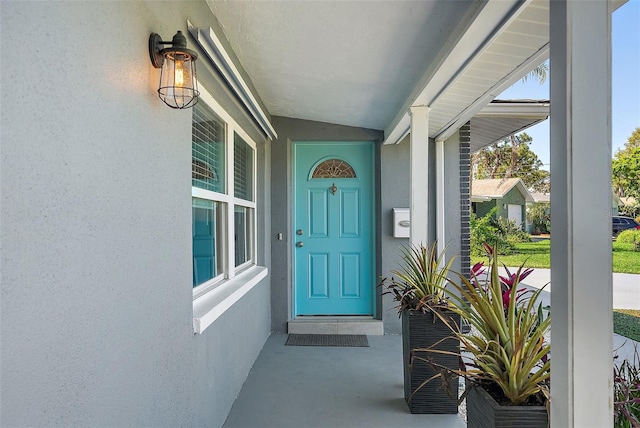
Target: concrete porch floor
{"type": "Point", "coordinates": [327, 387]}
{"type": "Point", "coordinates": [308, 386]}
{"type": "Point", "coordinates": [318, 387]}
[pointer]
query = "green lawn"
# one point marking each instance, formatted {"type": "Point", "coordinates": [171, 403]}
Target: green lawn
{"type": "Point", "coordinates": [537, 255]}
{"type": "Point", "coordinates": [626, 322]}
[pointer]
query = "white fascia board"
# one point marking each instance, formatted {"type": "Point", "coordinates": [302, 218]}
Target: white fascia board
{"type": "Point", "coordinates": [400, 131]}
{"type": "Point", "coordinates": [516, 110]}
{"type": "Point", "coordinates": [215, 51]}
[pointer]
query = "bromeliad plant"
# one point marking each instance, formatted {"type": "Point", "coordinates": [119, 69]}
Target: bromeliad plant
{"type": "Point", "coordinates": [507, 282]}
{"type": "Point", "coordinates": [626, 391]}
{"type": "Point", "coordinates": [506, 351]}
{"type": "Point", "coordinates": [419, 283]}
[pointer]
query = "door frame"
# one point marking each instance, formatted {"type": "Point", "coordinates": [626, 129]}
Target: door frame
{"type": "Point", "coordinates": [373, 228]}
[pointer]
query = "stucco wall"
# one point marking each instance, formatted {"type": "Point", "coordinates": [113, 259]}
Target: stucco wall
{"type": "Point", "coordinates": [452, 208]}
{"type": "Point", "coordinates": [513, 197]}
{"type": "Point", "coordinates": [96, 303]}
{"type": "Point", "coordinates": [395, 193]}
{"type": "Point", "coordinates": [395, 189]}
{"type": "Point", "coordinates": [290, 130]}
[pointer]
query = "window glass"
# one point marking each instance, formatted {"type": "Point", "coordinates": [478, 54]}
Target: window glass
{"type": "Point", "coordinates": [334, 168]}
{"type": "Point", "coordinates": [207, 234]}
{"type": "Point", "coordinates": [243, 222]}
{"type": "Point", "coordinates": [242, 169]}
{"type": "Point", "coordinates": [223, 221]}
{"type": "Point", "coordinates": [207, 150]}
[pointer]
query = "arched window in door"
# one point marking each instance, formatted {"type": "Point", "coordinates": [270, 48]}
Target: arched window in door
{"type": "Point", "coordinates": [334, 168]}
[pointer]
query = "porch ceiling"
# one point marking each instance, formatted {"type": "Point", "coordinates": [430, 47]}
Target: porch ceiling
{"type": "Point", "coordinates": [364, 63]}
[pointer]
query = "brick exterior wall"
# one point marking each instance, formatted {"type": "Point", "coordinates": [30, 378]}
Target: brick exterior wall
{"type": "Point", "coordinates": [465, 193]}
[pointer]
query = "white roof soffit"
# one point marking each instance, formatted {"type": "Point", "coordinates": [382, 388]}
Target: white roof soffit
{"type": "Point", "coordinates": [516, 108]}
{"type": "Point", "coordinates": [499, 119]}
{"type": "Point", "coordinates": [504, 42]}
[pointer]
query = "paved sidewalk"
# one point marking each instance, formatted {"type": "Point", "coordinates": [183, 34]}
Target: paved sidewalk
{"type": "Point", "coordinates": [626, 295]}
{"type": "Point", "coordinates": [626, 287]}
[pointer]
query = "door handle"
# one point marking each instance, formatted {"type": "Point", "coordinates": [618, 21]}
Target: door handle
{"type": "Point", "coordinates": [299, 244]}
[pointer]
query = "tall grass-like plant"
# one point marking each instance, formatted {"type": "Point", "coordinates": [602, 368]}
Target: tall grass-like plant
{"type": "Point", "coordinates": [419, 283]}
{"type": "Point", "coordinates": [626, 392]}
{"type": "Point", "coordinates": [506, 351]}
{"type": "Point", "coordinates": [418, 286]}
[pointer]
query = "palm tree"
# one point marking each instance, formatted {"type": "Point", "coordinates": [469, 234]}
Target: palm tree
{"type": "Point", "coordinates": [539, 73]}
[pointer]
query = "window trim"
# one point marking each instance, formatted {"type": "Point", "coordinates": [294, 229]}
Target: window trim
{"type": "Point", "coordinates": [210, 306]}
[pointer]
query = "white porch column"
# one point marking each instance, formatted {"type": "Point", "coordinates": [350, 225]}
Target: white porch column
{"type": "Point", "coordinates": [419, 173]}
{"type": "Point", "coordinates": [581, 280]}
{"type": "Point", "coordinates": [440, 196]}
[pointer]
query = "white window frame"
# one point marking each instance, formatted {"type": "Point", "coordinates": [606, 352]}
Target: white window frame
{"type": "Point", "coordinates": [213, 297]}
{"type": "Point", "coordinates": [245, 203]}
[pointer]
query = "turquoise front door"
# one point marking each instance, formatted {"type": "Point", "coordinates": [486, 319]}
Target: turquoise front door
{"type": "Point", "coordinates": [334, 228]}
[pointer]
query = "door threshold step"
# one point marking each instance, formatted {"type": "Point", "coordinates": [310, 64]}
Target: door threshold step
{"type": "Point", "coordinates": [336, 325]}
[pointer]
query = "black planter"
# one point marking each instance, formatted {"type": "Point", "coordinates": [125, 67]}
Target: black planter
{"type": "Point", "coordinates": [420, 331]}
{"type": "Point", "coordinates": [484, 412]}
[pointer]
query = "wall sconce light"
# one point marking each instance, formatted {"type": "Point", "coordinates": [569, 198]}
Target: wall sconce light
{"type": "Point", "coordinates": [178, 86]}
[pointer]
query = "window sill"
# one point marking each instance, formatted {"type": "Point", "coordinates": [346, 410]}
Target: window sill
{"type": "Point", "coordinates": [210, 306]}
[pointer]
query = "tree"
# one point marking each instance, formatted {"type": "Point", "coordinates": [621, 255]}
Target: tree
{"type": "Point", "coordinates": [626, 167]}
{"type": "Point", "coordinates": [539, 73]}
{"type": "Point", "coordinates": [539, 215]}
{"type": "Point", "coordinates": [509, 158]}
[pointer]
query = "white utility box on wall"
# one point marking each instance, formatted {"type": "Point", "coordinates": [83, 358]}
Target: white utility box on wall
{"type": "Point", "coordinates": [401, 222]}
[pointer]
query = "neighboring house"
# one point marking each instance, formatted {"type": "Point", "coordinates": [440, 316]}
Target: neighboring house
{"type": "Point", "coordinates": [629, 205]}
{"type": "Point", "coordinates": [616, 204]}
{"type": "Point", "coordinates": [508, 195]}
{"type": "Point", "coordinates": [546, 198]}
{"type": "Point", "coordinates": [541, 197]}
{"type": "Point", "coordinates": [147, 253]}
{"type": "Point", "coordinates": [616, 201]}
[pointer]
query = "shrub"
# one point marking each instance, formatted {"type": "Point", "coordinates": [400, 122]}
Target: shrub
{"type": "Point", "coordinates": [629, 236]}
{"type": "Point", "coordinates": [502, 233]}
{"type": "Point", "coordinates": [510, 233]}
{"type": "Point", "coordinates": [538, 215]}
{"type": "Point", "coordinates": [483, 231]}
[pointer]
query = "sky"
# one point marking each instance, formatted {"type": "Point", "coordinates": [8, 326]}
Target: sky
{"type": "Point", "coordinates": [625, 86]}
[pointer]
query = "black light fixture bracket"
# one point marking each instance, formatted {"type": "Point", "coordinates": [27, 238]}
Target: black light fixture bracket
{"type": "Point", "coordinates": [157, 51]}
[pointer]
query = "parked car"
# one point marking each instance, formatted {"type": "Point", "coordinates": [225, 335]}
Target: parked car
{"type": "Point", "coordinates": [623, 223]}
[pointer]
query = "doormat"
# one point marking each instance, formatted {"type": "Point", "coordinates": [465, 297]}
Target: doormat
{"type": "Point", "coordinates": [343, 340]}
